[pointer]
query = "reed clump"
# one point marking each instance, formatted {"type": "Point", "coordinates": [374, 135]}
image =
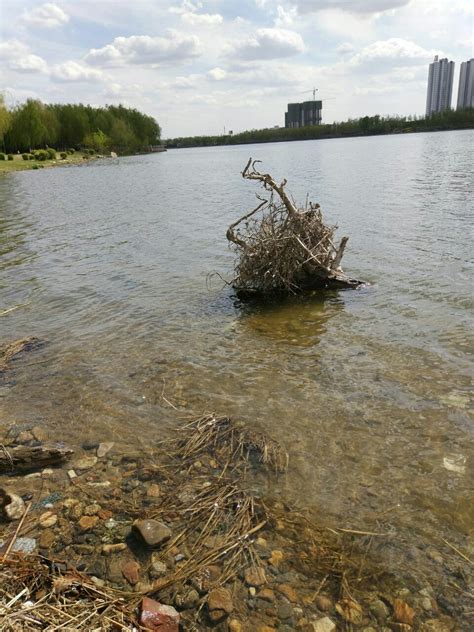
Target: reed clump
{"type": "Point", "coordinates": [283, 248]}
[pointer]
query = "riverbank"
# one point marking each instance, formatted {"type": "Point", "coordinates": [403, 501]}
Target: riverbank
{"type": "Point", "coordinates": [18, 164]}
{"type": "Point", "coordinates": [171, 534]}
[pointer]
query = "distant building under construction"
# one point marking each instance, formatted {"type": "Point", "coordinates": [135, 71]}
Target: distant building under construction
{"type": "Point", "coordinates": [302, 114]}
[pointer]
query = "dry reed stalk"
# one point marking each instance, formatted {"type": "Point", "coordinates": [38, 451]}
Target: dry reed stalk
{"type": "Point", "coordinates": [10, 349]}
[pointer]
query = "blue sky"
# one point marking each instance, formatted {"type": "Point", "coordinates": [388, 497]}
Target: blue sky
{"type": "Point", "coordinates": [200, 66]}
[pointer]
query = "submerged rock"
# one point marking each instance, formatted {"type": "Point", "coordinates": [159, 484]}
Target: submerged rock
{"type": "Point", "coordinates": [324, 625]}
{"type": "Point", "coordinates": [13, 507]}
{"type": "Point", "coordinates": [157, 617]}
{"type": "Point", "coordinates": [152, 532]}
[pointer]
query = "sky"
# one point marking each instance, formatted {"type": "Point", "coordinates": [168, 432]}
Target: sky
{"type": "Point", "coordinates": [205, 66]}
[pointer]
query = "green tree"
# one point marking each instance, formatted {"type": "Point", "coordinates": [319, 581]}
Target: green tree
{"type": "Point", "coordinates": [5, 119]}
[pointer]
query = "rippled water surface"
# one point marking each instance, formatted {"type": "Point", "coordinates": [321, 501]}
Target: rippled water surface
{"type": "Point", "coordinates": [368, 390]}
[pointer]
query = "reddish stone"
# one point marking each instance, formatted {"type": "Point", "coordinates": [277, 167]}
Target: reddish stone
{"type": "Point", "coordinates": [131, 572]}
{"type": "Point", "coordinates": [158, 617]}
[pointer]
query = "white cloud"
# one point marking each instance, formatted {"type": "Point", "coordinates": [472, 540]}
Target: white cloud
{"type": "Point", "coordinates": [285, 17]}
{"type": "Point", "coordinates": [18, 57]}
{"type": "Point", "coordinates": [271, 43]}
{"type": "Point", "coordinates": [174, 48]}
{"type": "Point", "coordinates": [352, 6]}
{"type": "Point", "coordinates": [218, 74]}
{"type": "Point", "coordinates": [118, 91]}
{"type": "Point", "coordinates": [345, 48]}
{"type": "Point", "coordinates": [394, 51]}
{"type": "Point", "coordinates": [73, 71]}
{"type": "Point", "coordinates": [202, 19]}
{"type": "Point", "coordinates": [48, 16]}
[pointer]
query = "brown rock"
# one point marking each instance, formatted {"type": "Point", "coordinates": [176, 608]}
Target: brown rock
{"type": "Point", "coordinates": [12, 505]}
{"type": "Point", "coordinates": [402, 613]}
{"type": "Point", "coordinates": [349, 610]}
{"type": "Point", "coordinates": [220, 599]}
{"type": "Point", "coordinates": [39, 434]}
{"type": "Point", "coordinates": [276, 558]}
{"type": "Point", "coordinates": [131, 571]}
{"type": "Point", "coordinates": [105, 514]}
{"type": "Point", "coordinates": [46, 539]}
{"type": "Point", "coordinates": [86, 523]}
{"type": "Point", "coordinates": [157, 617]}
{"type": "Point", "coordinates": [235, 626]}
{"type": "Point", "coordinates": [323, 603]}
{"type": "Point", "coordinates": [255, 576]}
{"type": "Point", "coordinates": [153, 491]}
{"type": "Point", "coordinates": [109, 549]}
{"type": "Point", "coordinates": [152, 532]}
{"type": "Point", "coordinates": [288, 592]}
{"type": "Point", "coordinates": [267, 594]}
{"type": "Point", "coordinates": [85, 463]}
{"type": "Point", "coordinates": [266, 628]}
{"type": "Point", "coordinates": [92, 510]}
{"type": "Point", "coordinates": [25, 437]}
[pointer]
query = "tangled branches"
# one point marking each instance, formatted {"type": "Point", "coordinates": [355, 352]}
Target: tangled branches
{"type": "Point", "coordinates": [284, 248]}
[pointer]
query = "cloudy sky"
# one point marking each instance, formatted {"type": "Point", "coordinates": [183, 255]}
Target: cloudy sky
{"type": "Point", "coordinates": [201, 65]}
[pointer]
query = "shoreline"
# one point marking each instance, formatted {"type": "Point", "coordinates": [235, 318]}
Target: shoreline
{"type": "Point", "coordinates": [18, 164]}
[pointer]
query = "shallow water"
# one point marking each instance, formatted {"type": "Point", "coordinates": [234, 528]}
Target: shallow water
{"type": "Point", "coordinates": [368, 390]}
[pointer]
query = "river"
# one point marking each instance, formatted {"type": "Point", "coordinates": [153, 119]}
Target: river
{"type": "Point", "coordinates": [108, 263]}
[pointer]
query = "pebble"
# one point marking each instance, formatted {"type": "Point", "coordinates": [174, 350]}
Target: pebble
{"type": "Point", "coordinates": [158, 568]}
{"type": "Point", "coordinates": [255, 576]}
{"type": "Point", "coordinates": [325, 604]}
{"type": "Point", "coordinates": [285, 611]}
{"type": "Point", "coordinates": [324, 625]}
{"type": "Point", "coordinates": [267, 595]}
{"type": "Point", "coordinates": [86, 523]}
{"type": "Point", "coordinates": [104, 448]}
{"type": "Point", "coordinates": [109, 549]}
{"type": "Point", "coordinates": [22, 545]}
{"type": "Point", "coordinates": [379, 610]}
{"type": "Point", "coordinates": [47, 519]}
{"type": "Point", "coordinates": [92, 510]}
{"type": "Point", "coordinates": [153, 491]}
{"type": "Point", "coordinates": [157, 617]}
{"type": "Point", "coordinates": [85, 463]}
{"type": "Point", "coordinates": [24, 437]}
{"type": "Point", "coordinates": [276, 558]}
{"type": "Point", "coordinates": [46, 539]}
{"type": "Point", "coordinates": [288, 592]}
{"type": "Point", "coordinates": [39, 434]}
{"type": "Point", "coordinates": [72, 474]}
{"type": "Point", "coordinates": [252, 591]}
{"type": "Point", "coordinates": [187, 599]}
{"type": "Point", "coordinates": [13, 506]}
{"type": "Point", "coordinates": [131, 571]}
{"type": "Point", "coordinates": [402, 612]}
{"type": "Point", "coordinates": [219, 602]}
{"type": "Point", "coordinates": [152, 532]}
{"type": "Point", "coordinates": [235, 626]}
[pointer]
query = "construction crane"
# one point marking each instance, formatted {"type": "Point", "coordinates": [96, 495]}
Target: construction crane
{"type": "Point", "coordinates": [314, 90]}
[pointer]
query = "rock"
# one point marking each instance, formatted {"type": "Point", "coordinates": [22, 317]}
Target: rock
{"type": "Point", "coordinates": [255, 576]}
{"type": "Point", "coordinates": [157, 617]}
{"type": "Point", "coordinates": [219, 602]}
{"type": "Point", "coordinates": [109, 549]}
{"type": "Point", "coordinates": [444, 624]}
{"type": "Point", "coordinates": [435, 556]}
{"type": "Point", "coordinates": [152, 532]}
{"type": "Point", "coordinates": [187, 599]}
{"type": "Point", "coordinates": [157, 569]}
{"type": "Point", "coordinates": [92, 510]}
{"type": "Point", "coordinates": [39, 434]}
{"type": "Point", "coordinates": [104, 448]}
{"type": "Point", "coordinates": [267, 595]}
{"type": "Point", "coordinates": [72, 474]}
{"type": "Point", "coordinates": [75, 511]}
{"type": "Point", "coordinates": [90, 445]}
{"type": "Point", "coordinates": [276, 558]}
{"type": "Point", "coordinates": [266, 628]}
{"type": "Point", "coordinates": [153, 491]}
{"type": "Point", "coordinates": [131, 572]}
{"type": "Point", "coordinates": [47, 519]}
{"type": "Point", "coordinates": [86, 523]}
{"type": "Point", "coordinates": [24, 437]}
{"type": "Point", "coordinates": [97, 581]}
{"type": "Point", "coordinates": [324, 625]}
{"type": "Point", "coordinates": [288, 592]}
{"type": "Point", "coordinates": [285, 611]}
{"type": "Point", "coordinates": [235, 626]}
{"type": "Point", "coordinates": [13, 507]}
{"type": "Point", "coordinates": [323, 603]}
{"type": "Point", "coordinates": [402, 612]}
{"type": "Point", "coordinates": [47, 539]}
{"type": "Point", "coordinates": [85, 463]}
{"type": "Point", "coordinates": [21, 545]}
{"type": "Point", "coordinates": [379, 610]}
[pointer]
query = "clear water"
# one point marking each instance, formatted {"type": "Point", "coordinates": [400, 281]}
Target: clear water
{"type": "Point", "coordinates": [368, 390]}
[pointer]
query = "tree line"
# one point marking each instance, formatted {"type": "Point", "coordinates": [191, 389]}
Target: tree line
{"type": "Point", "coordinates": [33, 125]}
{"type": "Point", "coordinates": [365, 126]}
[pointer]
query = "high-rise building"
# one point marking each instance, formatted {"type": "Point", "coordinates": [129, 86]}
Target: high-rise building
{"type": "Point", "coordinates": [440, 86]}
{"type": "Point", "coordinates": [466, 85]}
{"type": "Point", "coordinates": [302, 114]}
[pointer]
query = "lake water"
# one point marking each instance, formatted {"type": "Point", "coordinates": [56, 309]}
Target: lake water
{"type": "Point", "coordinates": [108, 263]}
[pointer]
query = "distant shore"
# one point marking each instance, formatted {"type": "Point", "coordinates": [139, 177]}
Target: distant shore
{"type": "Point", "coordinates": [18, 164]}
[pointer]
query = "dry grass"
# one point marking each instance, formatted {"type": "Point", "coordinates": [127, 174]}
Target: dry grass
{"type": "Point", "coordinates": [10, 349]}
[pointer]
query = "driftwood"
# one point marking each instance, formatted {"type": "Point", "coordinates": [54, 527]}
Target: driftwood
{"type": "Point", "coordinates": [23, 458]}
{"type": "Point", "coordinates": [283, 248]}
